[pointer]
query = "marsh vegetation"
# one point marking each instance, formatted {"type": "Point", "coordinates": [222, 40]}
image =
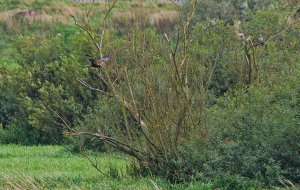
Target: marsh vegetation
{"type": "Point", "coordinates": [199, 95]}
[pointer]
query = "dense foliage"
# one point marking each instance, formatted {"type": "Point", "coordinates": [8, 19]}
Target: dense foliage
{"type": "Point", "coordinates": [239, 118]}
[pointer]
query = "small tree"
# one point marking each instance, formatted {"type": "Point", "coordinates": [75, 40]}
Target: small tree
{"type": "Point", "coordinates": [159, 85]}
{"type": "Point", "coordinates": [155, 83]}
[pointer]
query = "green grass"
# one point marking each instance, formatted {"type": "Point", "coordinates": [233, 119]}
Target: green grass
{"type": "Point", "coordinates": [54, 167]}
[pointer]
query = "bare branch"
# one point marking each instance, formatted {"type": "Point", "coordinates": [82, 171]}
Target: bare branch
{"type": "Point", "coordinates": [212, 72]}
{"type": "Point", "coordinates": [130, 90]}
{"type": "Point", "coordinates": [87, 31]}
{"type": "Point", "coordinates": [117, 144]}
{"type": "Point", "coordinates": [110, 7]}
{"type": "Point", "coordinates": [84, 83]}
{"type": "Point", "coordinates": [271, 37]}
{"type": "Point", "coordinates": [90, 9]}
{"type": "Point", "coordinates": [109, 140]}
{"type": "Point", "coordinates": [101, 42]}
{"type": "Point", "coordinates": [185, 46]}
{"type": "Point", "coordinates": [285, 29]}
{"type": "Point", "coordinates": [178, 6]}
{"type": "Point", "coordinates": [88, 12]}
{"type": "Point", "coordinates": [94, 164]}
{"type": "Point", "coordinates": [64, 122]}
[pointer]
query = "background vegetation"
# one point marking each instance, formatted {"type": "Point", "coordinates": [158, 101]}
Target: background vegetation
{"type": "Point", "coordinates": [232, 124]}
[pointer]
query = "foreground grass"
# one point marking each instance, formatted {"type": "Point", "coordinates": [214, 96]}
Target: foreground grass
{"type": "Point", "coordinates": [54, 167]}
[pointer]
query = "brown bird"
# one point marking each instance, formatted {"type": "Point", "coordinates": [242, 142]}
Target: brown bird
{"type": "Point", "coordinates": [97, 63]}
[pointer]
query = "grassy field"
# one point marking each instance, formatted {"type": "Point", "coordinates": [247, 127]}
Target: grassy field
{"type": "Point", "coordinates": [53, 17]}
{"type": "Point", "coordinates": [54, 167]}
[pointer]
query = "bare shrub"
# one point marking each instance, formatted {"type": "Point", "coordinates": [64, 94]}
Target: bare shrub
{"type": "Point", "coordinates": [156, 84]}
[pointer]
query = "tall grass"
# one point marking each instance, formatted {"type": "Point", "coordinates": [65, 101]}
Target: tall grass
{"type": "Point", "coordinates": [53, 12]}
{"type": "Point", "coordinates": [163, 20]}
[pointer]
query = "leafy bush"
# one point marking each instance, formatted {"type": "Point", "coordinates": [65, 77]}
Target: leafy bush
{"type": "Point", "coordinates": [230, 9]}
{"type": "Point", "coordinates": [45, 84]}
{"type": "Point", "coordinates": [254, 136]}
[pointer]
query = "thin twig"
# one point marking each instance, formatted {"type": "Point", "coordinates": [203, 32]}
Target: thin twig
{"type": "Point", "coordinates": [178, 6]}
{"type": "Point", "coordinates": [87, 31]}
{"type": "Point", "coordinates": [101, 42]}
{"type": "Point", "coordinates": [212, 72]}
{"type": "Point", "coordinates": [110, 7]}
{"type": "Point", "coordinates": [64, 121]}
{"type": "Point", "coordinates": [94, 164]}
{"type": "Point", "coordinates": [283, 30]}
{"type": "Point", "coordinates": [89, 11]}
{"type": "Point", "coordinates": [271, 37]}
{"type": "Point", "coordinates": [84, 83]}
{"type": "Point", "coordinates": [109, 140]}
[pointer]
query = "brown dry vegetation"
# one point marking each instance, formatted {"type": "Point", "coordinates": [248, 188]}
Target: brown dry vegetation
{"type": "Point", "coordinates": [13, 19]}
{"type": "Point", "coordinates": [59, 12]}
{"type": "Point", "coordinates": [163, 20]}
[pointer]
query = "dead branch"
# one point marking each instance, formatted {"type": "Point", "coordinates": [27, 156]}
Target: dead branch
{"type": "Point", "coordinates": [213, 70]}
{"type": "Point", "coordinates": [271, 37]}
{"type": "Point", "coordinates": [185, 64]}
{"type": "Point", "coordinates": [178, 6]}
{"type": "Point", "coordinates": [87, 31]}
{"type": "Point", "coordinates": [94, 164]}
{"type": "Point", "coordinates": [110, 7]}
{"type": "Point", "coordinates": [185, 47]}
{"type": "Point", "coordinates": [284, 30]}
{"type": "Point", "coordinates": [109, 140]}
{"type": "Point", "coordinates": [84, 83]}
{"type": "Point", "coordinates": [64, 121]}
{"type": "Point", "coordinates": [123, 147]}
{"type": "Point", "coordinates": [88, 12]}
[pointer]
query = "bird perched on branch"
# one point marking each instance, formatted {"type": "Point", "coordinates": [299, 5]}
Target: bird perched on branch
{"type": "Point", "coordinates": [261, 40]}
{"type": "Point", "coordinates": [213, 22]}
{"type": "Point", "coordinates": [97, 63]}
